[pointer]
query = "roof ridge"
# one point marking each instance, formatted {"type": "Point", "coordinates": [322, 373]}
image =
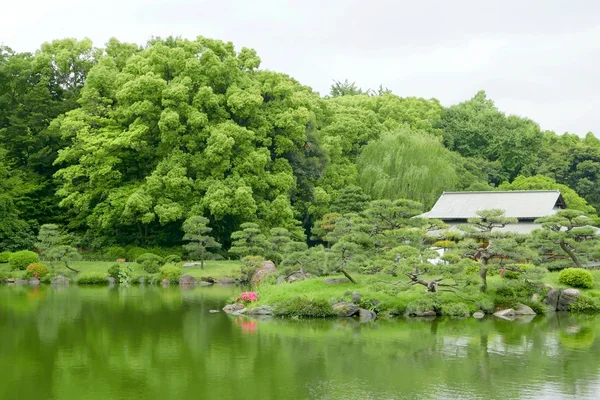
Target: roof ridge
{"type": "Point", "coordinates": [504, 191]}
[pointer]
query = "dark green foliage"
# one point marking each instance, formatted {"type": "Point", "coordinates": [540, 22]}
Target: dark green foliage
{"type": "Point", "coordinates": [114, 271]}
{"type": "Point", "coordinates": [173, 259]}
{"type": "Point", "coordinates": [249, 266]}
{"type": "Point", "coordinates": [421, 305]}
{"type": "Point", "coordinates": [150, 262]}
{"type": "Point", "coordinates": [455, 310]}
{"type": "Point", "coordinates": [250, 241]}
{"type": "Point", "coordinates": [115, 252]}
{"type": "Point", "coordinates": [585, 304]}
{"type": "Point", "coordinates": [303, 307]}
{"type": "Point", "coordinates": [21, 259]}
{"type": "Point", "coordinates": [576, 277]}
{"type": "Point", "coordinates": [197, 234]}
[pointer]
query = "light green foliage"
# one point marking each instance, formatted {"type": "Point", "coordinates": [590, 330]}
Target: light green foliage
{"type": "Point", "coordinates": [21, 259]}
{"type": "Point", "coordinates": [92, 278]}
{"type": "Point", "coordinates": [170, 272]}
{"type": "Point", "coordinates": [455, 310]}
{"type": "Point", "coordinates": [4, 256]}
{"type": "Point", "coordinates": [114, 271]}
{"type": "Point", "coordinates": [585, 304]}
{"type": "Point", "coordinates": [304, 307]}
{"type": "Point", "coordinates": [249, 266]}
{"type": "Point", "coordinates": [173, 259]}
{"type": "Point", "coordinates": [487, 220]}
{"type": "Point", "coordinates": [63, 253]}
{"type": "Point", "coordinates": [407, 165]}
{"type": "Point", "coordinates": [281, 243]}
{"type": "Point", "coordinates": [48, 237]}
{"type": "Point", "coordinates": [576, 277]}
{"type": "Point", "coordinates": [540, 182]}
{"type": "Point", "coordinates": [197, 234]}
{"type": "Point", "coordinates": [249, 241]}
{"type": "Point", "coordinates": [350, 199]}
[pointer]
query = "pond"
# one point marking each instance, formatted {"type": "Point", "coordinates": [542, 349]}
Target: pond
{"type": "Point", "coordinates": [163, 343]}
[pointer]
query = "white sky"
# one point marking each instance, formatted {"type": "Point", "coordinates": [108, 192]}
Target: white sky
{"type": "Point", "coordinates": [534, 58]}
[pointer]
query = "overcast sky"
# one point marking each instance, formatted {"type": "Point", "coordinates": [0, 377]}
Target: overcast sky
{"type": "Point", "coordinates": [535, 58]}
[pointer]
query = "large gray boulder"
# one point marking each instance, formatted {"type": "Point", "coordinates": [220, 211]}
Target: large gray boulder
{"type": "Point", "coordinates": [187, 280]}
{"type": "Point", "coordinates": [335, 281]}
{"type": "Point", "coordinates": [192, 264]}
{"type": "Point", "coordinates": [345, 309]}
{"type": "Point", "coordinates": [524, 310]}
{"type": "Point", "coordinates": [356, 299]}
{"type": "Point", "coordinates": [268, 268]}
{"type": "Point", "coordinates": [505, 314]}
{"type": "Point", "coordinates": [296, 276]}
{"type": "Point", "coordinates": [551, 299]}
{"type": "Point", "coordinates": [567, 297]}
{"type": "Point", "coordinates": [59, 281]}
{"type": "Point", "coordinates": [261, 310]}
{"type": "Point", "coordinates": [232, 308]}
{"type": "Point", "coordinates": [366, 315]}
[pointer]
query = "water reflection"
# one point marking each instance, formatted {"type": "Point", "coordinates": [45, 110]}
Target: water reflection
{"type": "Point", "coordinates": [153, 342]}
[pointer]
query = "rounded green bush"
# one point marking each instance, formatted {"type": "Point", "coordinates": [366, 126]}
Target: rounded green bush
{"type": "Point", "coordinates": [4, 256]}
{"type": "Point", "coordinates": [173, 259]}
{"type": "Point", "coordinates": [22, 259]}
{"type": "Point", "coordinates": [576, 277]}
{"type": "Point", "coordinates": [303, 307]}
{"type": "Point", "coordinates": [508, 274]}
{"type": "Point", "coordinates": [37, 270]}
{"type": "Point", "coordinates": [170, 272]}
{"type": "Point", "coordinates": [114, 271]}
{"type": "Point", "coordinates": [113, 253]}
{"type": "Point", "coordinates": [150, 262]}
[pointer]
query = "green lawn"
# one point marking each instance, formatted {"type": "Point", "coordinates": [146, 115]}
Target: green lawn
{"type": "Point", "coordinates": [552, 279]}
{"type": "Point", "coordinates": [215, 269]}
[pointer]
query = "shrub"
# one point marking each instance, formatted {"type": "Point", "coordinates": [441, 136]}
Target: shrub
{"type": "Point", "coordinates": [150, 262]}
{"type": "Point", "coordinates": [451, 258]}
{"type": "Point", "coordinates": [114, 271]}
{"type": "Point", "coordinates": [455, 310]}
{"type": "Point", "coordinates": [576, 277]}
{"type": "Point", "coordinates": [249, 266]}
{"type": "Point", "coordinates": [115, 252]}
{"type": "Point", "coordinates": [4, 256]}
{"type": "Point", "coordinates": [247, 297]}
{"type": "Point", "coordinates": [585, 304]}
{"type": "Point", "coordinates": [37, 270]}
{"type": "Point", "coordinates": [21, 259]}
{"type": "Point", "coordinates": [303, 307]}
{"type": "Point", "coordinates": [92, 278]}
{"type": "Point", "coordinates": [134, 252]}
{"type": "Point", "coordinates": [508, 274]}
{"type": "Point", "coordinates": [173, 259]}
{"type": "Point", "coordinates": [419, 306]}
{"type": "Point", "coordinates": [170, 272]}
{"type": "Point", "coordinates": [514, 289]}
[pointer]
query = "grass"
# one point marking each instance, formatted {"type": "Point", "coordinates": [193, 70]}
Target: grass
{"type": "Point", "coordinates": [552, 279]}
{"type": "Point", "coordinates": [215, 269]}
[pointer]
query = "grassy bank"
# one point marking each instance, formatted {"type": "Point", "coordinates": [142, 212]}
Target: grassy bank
{"type": "Point", "coordinates": [214, 269]}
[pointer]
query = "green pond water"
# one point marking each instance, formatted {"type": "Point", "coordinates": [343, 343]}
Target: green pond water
{"type": "Point", "coordinates": [163, 343]}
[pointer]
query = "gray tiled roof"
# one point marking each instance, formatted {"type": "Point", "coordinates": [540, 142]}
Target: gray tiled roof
{"type": "Point", "coordinates": [529, 204]}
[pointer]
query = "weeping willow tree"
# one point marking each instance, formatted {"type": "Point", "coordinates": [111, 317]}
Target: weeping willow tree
{"type": "Point", "coordinates": [410, 165]}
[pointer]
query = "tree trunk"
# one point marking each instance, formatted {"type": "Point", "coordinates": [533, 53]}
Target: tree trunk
{"type": "Point", "coordinates": [571, 254]}
{"type": "Point", "coordinates": [483, 272]}
{"type": "Point", "coordinates": [343, 271]}
{"type": "Point", "coordinates": [202, 260]}
{"type": "Point", "coordinates": [72, 269]}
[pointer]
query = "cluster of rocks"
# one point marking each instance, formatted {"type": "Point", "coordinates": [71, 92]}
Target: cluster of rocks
{"type": "Point", "coordinates": [352, 308]}
{"type": "Point", "coordinates": [239, 309]}
{"type": "Point", "coordinates": [561, 300]}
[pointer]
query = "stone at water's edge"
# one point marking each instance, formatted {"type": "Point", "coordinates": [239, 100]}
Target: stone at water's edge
{"type": "Point", "coordinates": [261, 310]}
{"type": "Point", "coordinates": [356, 297]}
{"type": "Point", "coordinates": [34, 281]}
{"type": "Point", "coordinates": [524, 310]}
{"type": "Point", "coordinates": [425, 314]}
{"type": "Point", "coordinates": [478, 314]}
{"type": "Point", "coordinates": [506, 314]}
{"type": "Point", "coordinates": [231, 308]}
{"type": "Point", "coordinates": [551, 299]}
{"type": "Point", "coordinates": [59, 280]}
{"type": "Point", "coordinates": [366, 315]}
{"type": "Point", "coordinates": [334, 281]}
{"type": "Point", "coordinates": [268, 268]}
{"type": "Point", "coordinates": [111, 280]}
{"type": "Point", "coordinates": [345, 309]}
{"type": "Point", "coordinates": [226, 281]}
{"type": "Point", "coordinates": [164, 282]}
{"type": "Point", "coordinates": [567, 297]}
{"type": "Point", "coordinates": [21, 282]}
{"type": "Point", "coordinates": [187, 280]}
{"type": "Point", "coordinates": [213, 311]}
{"type": "Point", "coordinates": [204, 283]}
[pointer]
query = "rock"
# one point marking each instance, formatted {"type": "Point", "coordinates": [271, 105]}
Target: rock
{"type": "Point", "coordinates": [165, 282]}
{"type": "Point", "coordinates": [204, 283]}
{"type": "Point", "coordinates": [425, 314]}
{"type": "Point", "coordinates": [59, 280]}
{"type": "Point", "coordinates": [345, 309]}
{"type": "Point", "coordinates": [111, 280]}
{"type": "Point", "coordinates": [231, 308]}
{"type": "Point", "coordinates": [261, 310]}
{"type": "Point", "coordinates": [334, 281]}
{"type": "Point", "coordinates": [535, 297]}
{"type": "Point", "coordinates": [34, 281]}
{"type": "Point", "coordinates": [208, 279]}
{"type": "Point", "coordinates": [240, 311]}
{"type": "Point", "coordinates": [21, 282]}
{"type": "Point", "coordinates": [142, 280]}
{"type": "Point", "coordinates": [524, 310]}
{"type": "Point", "coordinates": [296, 276]}
{"type": "Point", "coordinates": [366, 315]}
{"type": "Point", "coordinates": [192, 264]}
{"type": "Point", "coordinates": [356, 297]}
{"type": "Point", "coordinates": [213, 311]}
{"type": "Point", "coordinates": [567, 297]}
{"type": "Point", "coordinates": [548, 286]}
{"type": "Point", "coordinates": [187, 280]}
{"type": "Point", "coordinates": [10, 280]}
{"type": "Point", "coordinates": [478, 314]}
{"type": "Point", "coordinates": [226, 281]}
{"type": "Point", "coordinates": [268, 268]}
{"type": "Point", "coordinates": [280, 280]}
{"type": "Point", "coordinates": [509, 313]}
{"type": "Point", "coordinates": [551, 299]}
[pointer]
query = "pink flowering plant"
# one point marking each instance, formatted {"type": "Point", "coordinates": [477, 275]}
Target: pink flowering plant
{"type": "Point", "coordinates": [247, 297]}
